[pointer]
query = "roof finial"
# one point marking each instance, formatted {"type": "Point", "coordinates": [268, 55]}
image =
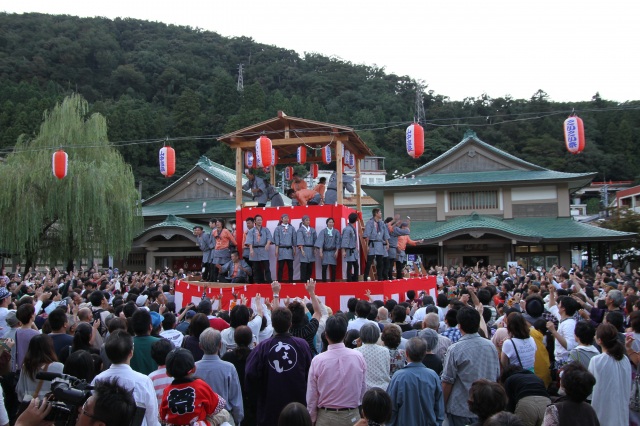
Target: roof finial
{"type": "Point", "coordinates": [470, 134]}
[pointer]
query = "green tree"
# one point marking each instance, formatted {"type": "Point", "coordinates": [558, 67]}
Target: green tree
{"type": "Point", "coordinates": [91, 211]}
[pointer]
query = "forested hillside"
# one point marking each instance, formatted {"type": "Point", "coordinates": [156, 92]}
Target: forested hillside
{"type": "Point", "coordinates": [153, 80]}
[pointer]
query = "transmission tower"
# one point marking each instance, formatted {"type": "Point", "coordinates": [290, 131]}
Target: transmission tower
{"type": "Point", "coordinates": [420, 114]}
{"type": "Point", "coordinates": [240, 79]}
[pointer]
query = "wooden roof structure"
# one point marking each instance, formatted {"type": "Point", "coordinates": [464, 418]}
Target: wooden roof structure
{"type": "Point", "coordinates": [287, 134]}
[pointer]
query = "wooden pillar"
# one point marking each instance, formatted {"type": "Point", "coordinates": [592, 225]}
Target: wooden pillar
{"type": "Point", "coordinates": [358, 186]}
{"type": "Point", "coordinates": [272, 175]}
{"type": "Point", "coordinates": [239, 177]}
{"type": "Point", "coordinates": [339, 188]}
{"type": "Point", "coordinates": [589, 256]}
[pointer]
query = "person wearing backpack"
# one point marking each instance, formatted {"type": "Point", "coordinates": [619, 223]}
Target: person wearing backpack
{"type": "Point", "coordinates": [99, 306]}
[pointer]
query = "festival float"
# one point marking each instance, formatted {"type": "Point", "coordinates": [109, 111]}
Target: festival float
{"type": "Point", "coordinates": [301, 141]}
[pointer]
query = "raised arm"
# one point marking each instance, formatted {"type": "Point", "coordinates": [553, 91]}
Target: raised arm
{"type": "Point", "coordinates": [311, 289]}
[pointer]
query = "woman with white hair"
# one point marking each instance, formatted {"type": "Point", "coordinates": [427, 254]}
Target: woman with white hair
{"type": "Point", "coordinates": [377, 357]}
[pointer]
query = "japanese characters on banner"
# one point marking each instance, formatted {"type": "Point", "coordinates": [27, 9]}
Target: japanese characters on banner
{"type": "Point", "coordinates": [415, 140]}
{"type": "Point", "coordinates": [249, 160]}
{"type": "Point", "coordinates": [301, 155]}
{"type": "Point", "coordinates": [288, 173]}
{"type": "Point", "coordinates": [334, 295]}
{"type": "Point", "coordinates": [326, 154]}
{"type": "Point", "coordinates": [574, 134]}
{"type": "Point", "coordinates": [167, 159]}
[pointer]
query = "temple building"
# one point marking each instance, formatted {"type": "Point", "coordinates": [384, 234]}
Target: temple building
{"type": "Point", "coordinates": [477, 203]}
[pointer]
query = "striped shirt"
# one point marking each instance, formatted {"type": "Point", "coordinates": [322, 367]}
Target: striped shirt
{"type": "Point", "coordinates": [160, 381]}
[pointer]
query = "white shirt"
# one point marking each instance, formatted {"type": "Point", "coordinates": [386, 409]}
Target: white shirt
{"type": "Point", "coordinates": [526, 350]}
{"type": "Point", "coordinates": [566, 329]}
{"type": "Point", "coordinates": [612, 390]}
{"type": "Point", "coordinates": [139, 384]}
{"type": "Point", "coordinates": [357, 323]}
{"type": "Point", "coordinates": [419, 315]}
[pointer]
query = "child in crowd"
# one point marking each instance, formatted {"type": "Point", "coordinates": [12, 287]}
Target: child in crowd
{"type": "Point", "coordinates": [187, 400]}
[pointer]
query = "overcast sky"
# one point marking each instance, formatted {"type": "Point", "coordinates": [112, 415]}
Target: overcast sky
{"type": "Point", "coordinates": [458, 48]}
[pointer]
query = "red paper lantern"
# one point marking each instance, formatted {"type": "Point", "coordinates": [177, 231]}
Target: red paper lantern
{"type": "Point", "coordinates": [415, 140]}
{"type": "Point", "coordinates": [288, 173]}
{"type": "Point", "coordinates": [574, 134]}
{"type": "Point", "coordinates": [326, 154]}
{"type": "Point", "coordinates": [264, 151]}
{"type": "Point", "coordinates": [60, 164]}
{"type": "Point", "coordinates": [314, 170]}
{"type": "Point", "coordinates": [301, 155]}
{"type": "Point", "coordinates": [167, 157]}
{"type": "Point", "coordinates": [274, 157]}
{"type": "Point", "coordinates": [249, 160]}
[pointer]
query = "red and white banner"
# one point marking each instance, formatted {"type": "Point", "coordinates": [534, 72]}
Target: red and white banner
{"type": "Point", "coordinates": [334, 295]}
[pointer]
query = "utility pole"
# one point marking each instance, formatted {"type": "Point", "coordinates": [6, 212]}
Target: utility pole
{"type": "Point", "coordinates": [420, 117]}
{"type": "Point", "coordinates": [240, 79]}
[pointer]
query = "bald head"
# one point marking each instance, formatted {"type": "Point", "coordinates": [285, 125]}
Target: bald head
{"type": "Point", "coordinates": [85, 315]}
{"type": "Point", "coordinates": [383, 314]}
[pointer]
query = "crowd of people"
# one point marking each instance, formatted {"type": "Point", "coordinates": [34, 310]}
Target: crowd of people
{"type": "Point", "coordinates": [495, 346]}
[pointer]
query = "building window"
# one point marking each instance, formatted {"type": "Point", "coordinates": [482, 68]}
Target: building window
{"type": "Point", "coordinates": [479, 200]}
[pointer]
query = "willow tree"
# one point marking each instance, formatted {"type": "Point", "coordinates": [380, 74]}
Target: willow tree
{"type": "Point", "coordinates": [92, 211]}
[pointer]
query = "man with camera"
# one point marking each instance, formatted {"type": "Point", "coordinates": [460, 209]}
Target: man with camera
{"type": "Point", "coordinates": [110, 405]}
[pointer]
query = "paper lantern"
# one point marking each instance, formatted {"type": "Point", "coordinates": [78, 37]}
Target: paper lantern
{"type": "Point", "coordinates": [574, 134]}
{"type": "Point", "coordinates": [313, 170]}
{"type": "Point", "coordinates": [351, 161]}
{"type": "Point", "coordinates": [326, 154]}
{"type": "Point", "coordinates": [288, 173]}
{"type": "Point", "coordinates": [264, 151]}
{"type": "Point", "coordinates": [60, 164]}
{"type": "Point", "coordinates": [249, 160]}
{"type": "Point", "coordinates": [274, 157]}
{"type": "Point", "coordinates": [415, 140]}
{"type": "Point", "coordinates": [301, 155]}
{"type": "Point", "coordinates": [167, 158]}
{"type": "Point", "coordinates": [345, 156]}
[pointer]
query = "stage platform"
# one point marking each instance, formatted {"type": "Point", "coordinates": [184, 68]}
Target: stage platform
{"type": "Point", "coordinates": [333, 294]}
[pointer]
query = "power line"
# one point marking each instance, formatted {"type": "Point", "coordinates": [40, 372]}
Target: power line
{"type": "Point", "coordinates": [299, 133]}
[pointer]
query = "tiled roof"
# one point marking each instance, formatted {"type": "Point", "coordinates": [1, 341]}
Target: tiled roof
{"type": "Point", "coordinates": [480, 178]}
{"type": "Point", "coordinates": [428, 182]}
{"type": "Point", "coordinates": [189, 208]}
{"type": "Point", "coordinates": [225, 174]}
{"type": "Point", "coordinates": [217, 171]}
{"type": "Point", "coordinates": [533, 229]}
{"type": "Point", "coordinates": [470, 136]}
{"type": "Point", "coordinates": [173, 222]}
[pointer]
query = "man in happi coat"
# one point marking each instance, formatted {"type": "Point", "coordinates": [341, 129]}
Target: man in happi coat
{"type": "Point", "coordinates": [328, 243]}
{"type": "Point", "coordinates": [259, 239]}
{"type": "Point", "coordinates": [284, 238]}
{"type": "Point", "coordinates": [306, 240]}
{"type": "Point", "coordinates": [350, 252]}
